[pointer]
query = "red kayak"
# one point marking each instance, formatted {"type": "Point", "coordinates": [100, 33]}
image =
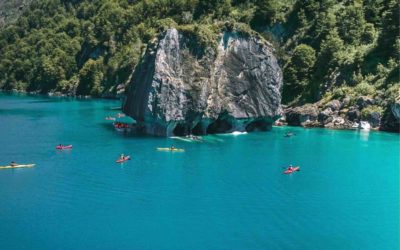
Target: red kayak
{"type": "Point", "coordinates": [291, 170]}
{"type": "Point", "coordinates": [64, 147]}
{"type": "Point", "coordinates": [124, 159]}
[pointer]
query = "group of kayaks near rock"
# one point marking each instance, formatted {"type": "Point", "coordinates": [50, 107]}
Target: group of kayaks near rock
{"type": "Point", "coordinates": [121, 122]}
{"type": "Point", "coordinates": [123, 158]}
{"type": "Point", "coordinates": [289, 170]}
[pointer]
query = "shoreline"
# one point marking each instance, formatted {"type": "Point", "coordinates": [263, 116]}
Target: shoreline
{"type": "Point", "coordinates": [119, 98]}
{"type": "Point", "coordinates": [58, 94]}
{"type": "Point", "coordinates": [337, 129]}
{"type": "Point", "coordinates": [339, 115]}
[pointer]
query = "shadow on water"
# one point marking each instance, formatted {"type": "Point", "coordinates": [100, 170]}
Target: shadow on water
{"type": "Point", "coordinates": [109, 127]}
{"type": "Point", "coordinates": [53, 100]}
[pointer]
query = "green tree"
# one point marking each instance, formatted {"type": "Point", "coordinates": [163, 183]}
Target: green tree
{"type": "Point", "coordinates": [90, 78]}
{"type": "Point", "coordinates": [351, 25]}
{"type": "Point", "coordinates": [369, 34]}
{"type": "Point", "coordinates": [217, 7]}
{"type": "Point", "coordinates": [270, 11]}
{"type": "Point", "coordinates": [50, 75]}
{"type": "Point", "coordinates": [298, 70]}
{"type": "Point", "coordinates": [331, 47]}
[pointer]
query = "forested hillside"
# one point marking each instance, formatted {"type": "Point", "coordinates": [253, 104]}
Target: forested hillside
{"type": "Point", "coordinates": [327, 49]}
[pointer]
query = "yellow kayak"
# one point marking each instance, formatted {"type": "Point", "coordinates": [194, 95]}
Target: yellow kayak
{"type": "Point", "coordinates": [18, 166]}
{"type": "Point", "coordinates": [171, 149]}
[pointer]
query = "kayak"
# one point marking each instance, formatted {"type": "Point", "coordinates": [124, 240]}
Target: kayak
{"type": "Point", "coordinates": [122, 127]}
{"type": "Point", "coordinates": [294, 169]}
{"type": "Point", "coordinates": [126, 158]}
{"type": "Point", "coordinates": [171, 149]}
{"type": "Point", "coordinates": [64, 147]}
{"type": "Point", "coordinates": [18, 166]}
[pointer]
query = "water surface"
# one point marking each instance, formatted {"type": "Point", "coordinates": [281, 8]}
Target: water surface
{"type": "Point", "coordinates": [227, 192]}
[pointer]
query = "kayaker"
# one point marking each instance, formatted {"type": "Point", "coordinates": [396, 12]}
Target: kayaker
{"type": "Point", "coordinates": [172, 147]}
{"type": "Point", "coordinates": [13, 164]}
{"type": "Point", "coordinates": [122, 157]}
{"type": "Point", "coordinates": [290, 167]}
{"type": "Point", "coordinates": [289, 134]}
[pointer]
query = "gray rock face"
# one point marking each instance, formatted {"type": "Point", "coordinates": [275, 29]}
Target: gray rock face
{"type": "Point", "coordinates": [354, 114]}
{"type": "Point", "coordinates": [375, 119]}
{"type": "Point", "coordinates": [181, 88]}
{"type": "Point", "coordinates": [391, 118]}
{"type": "Point", "coordinates": [305, 115]}
{"type": "Point", "coordinates": [395, 108]}
{"type": "Point", "coordinates": [334, 105]}
{"type": "Point", "coordinates": [324, 116]}
{"type": "Point", "coordinates": [312, 115]}
{"type": "Point", "coordinates": [364, 101]}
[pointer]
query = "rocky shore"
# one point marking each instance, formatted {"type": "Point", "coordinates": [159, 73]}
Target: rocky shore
{"type": "Point", "coordinates": [344, 115]}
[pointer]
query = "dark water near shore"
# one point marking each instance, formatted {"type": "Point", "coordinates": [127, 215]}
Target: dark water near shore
{"type": "Point", "coordinates": [227, 192]}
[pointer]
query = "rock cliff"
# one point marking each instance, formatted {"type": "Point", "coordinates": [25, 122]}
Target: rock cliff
{"type": "Point", "coordinates": [181, 87]}
{"type": "Point", "coordinates": [391, 118]}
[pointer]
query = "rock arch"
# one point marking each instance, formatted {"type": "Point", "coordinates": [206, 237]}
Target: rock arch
{"type": "Point", "coordinates": [258, 125]}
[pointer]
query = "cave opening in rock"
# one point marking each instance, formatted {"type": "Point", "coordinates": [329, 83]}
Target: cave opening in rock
{"type": "Point", "coordinates": [219, 126]}
{"type": "Point", "coordinates": [198, 129]}
{"type": "Point", "coordinates": [180, 130]}
{"type": "Point", "coordinates": [258, 125]}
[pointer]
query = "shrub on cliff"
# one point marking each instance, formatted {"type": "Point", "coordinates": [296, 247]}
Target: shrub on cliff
{"type": "Point", "coordinates": [365, 89]}
{"type": "Point", "coordinates": [367, 111]}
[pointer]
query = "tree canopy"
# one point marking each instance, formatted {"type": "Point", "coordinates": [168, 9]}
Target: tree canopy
{"type": "Point", "coordinates": [89, 46]}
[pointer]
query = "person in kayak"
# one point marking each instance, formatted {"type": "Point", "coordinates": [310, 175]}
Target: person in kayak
{"type": "Point", "coordinates": [60, 145]}
{"type": "Point", "coordinates": [13, 164]}
{"type": "Point", "coordinates": [289, 134]}
{"type": "Point", "coordinates": [122, 157]}
{"type": "Point", "coordinates": [172, 147]}
{"type": "Point", "coordinates": [290, 168]}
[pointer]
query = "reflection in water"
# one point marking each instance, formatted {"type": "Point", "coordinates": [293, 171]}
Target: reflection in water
{"type": "Point", "coordinates": [364, 134]}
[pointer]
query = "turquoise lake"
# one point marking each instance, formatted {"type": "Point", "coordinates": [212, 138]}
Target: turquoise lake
{"type": "Point", "coordinates": [227, 192]}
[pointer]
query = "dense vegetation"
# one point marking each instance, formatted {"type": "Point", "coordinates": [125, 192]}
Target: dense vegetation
{"type": "Point", "coordinates": [327, 48]}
